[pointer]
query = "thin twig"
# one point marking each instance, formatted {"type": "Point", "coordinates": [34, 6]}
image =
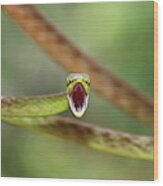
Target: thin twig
{"type": "Point", "coordinates": [51, 40]}
{"type": "Point", "coordinates": [118, 143]}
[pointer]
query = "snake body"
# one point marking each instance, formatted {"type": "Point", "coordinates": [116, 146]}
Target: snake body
{"type": "Point", "coordinates": [34, 105]}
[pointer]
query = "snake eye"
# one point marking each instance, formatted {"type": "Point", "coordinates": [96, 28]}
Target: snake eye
{"type": "Point", "coordinates": [69, 82]}
{"type": "Point", "coordinates": [87, 82]}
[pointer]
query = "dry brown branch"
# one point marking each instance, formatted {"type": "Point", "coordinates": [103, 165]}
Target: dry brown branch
{"type": "Point", "coordinates": [102, 139]}
{"type": "Point", "coordinates": [52, 41]}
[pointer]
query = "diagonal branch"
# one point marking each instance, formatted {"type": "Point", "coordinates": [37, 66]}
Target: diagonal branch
{"type": "Point", "coordinates": [118, 143]}
{"type": "Point", "coordinates": [53, 42]}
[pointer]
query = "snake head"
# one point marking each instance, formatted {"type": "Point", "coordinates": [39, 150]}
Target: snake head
{"type": "Point", "coordinates": [78, 88]}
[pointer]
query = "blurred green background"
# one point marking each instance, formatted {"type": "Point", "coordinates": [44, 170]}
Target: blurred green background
{"type": "Point", "coordinates": [120, 37]}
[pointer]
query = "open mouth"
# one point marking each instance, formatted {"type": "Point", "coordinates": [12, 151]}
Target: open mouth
{"type": "Point", "coordinates": [78, 99]}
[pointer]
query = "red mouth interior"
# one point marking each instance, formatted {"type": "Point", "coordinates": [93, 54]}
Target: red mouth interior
{"type": "Point", "coordinates": [78, 96]}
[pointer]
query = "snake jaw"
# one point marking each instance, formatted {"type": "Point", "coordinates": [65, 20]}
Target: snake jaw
{"type": "Point", "coordinates": [78, 100]}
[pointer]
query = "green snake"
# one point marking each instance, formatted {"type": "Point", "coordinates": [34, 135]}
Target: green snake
{"type": "Point", "coordinates": [76, 98]}
{"type": "Point", "coordinates": [40, 113]}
